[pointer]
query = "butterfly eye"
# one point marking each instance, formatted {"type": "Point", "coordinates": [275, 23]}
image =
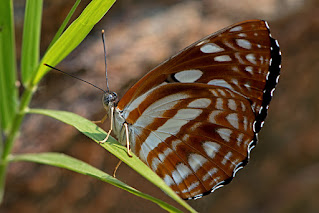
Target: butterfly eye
{"type": "Point", "coordinates": [109, 98]}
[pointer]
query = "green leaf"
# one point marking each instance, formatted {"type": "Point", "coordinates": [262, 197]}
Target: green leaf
{"type": "Point", "coordinates": [73, 35]}
{"type": "Point", "coordinates": [65, 22]}
{"type": "Point", "coordinates": [8, 89]}
{"type": "Point", "coordinates": [97, 134]}
{"type": "Point", "coordinates": [31, 40]}
{"type": "Point", "coordinates": [67, 162]}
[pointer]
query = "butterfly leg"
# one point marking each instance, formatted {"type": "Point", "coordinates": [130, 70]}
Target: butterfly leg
{"type": "Point", "coordinates": [111, 127]}
{"type": "Point", "coordinates": [101, 121]}
{"type": "Point", "coordinates": [127, 140]}
{"type": "Point", "coordinates": [117, 166]}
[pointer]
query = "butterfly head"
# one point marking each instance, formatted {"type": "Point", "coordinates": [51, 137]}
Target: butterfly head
{"type": "Point", "coordinates": [109, 99]}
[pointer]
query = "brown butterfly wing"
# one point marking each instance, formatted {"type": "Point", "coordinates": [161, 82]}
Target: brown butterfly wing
{"type": "Point", "coordinates": [246, 43]}
{"type": "Point", "coordinates": [195, 117]}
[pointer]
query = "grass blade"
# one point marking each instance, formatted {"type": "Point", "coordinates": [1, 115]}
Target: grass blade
{"type": "Point", "coordinates": [73, 35]}
{"type": "Point", "coordinates": [97, 134]}
{"type": "Point", "coordinates": [31, 40]}
{"type": "Point", "coordinates": [67, 162]}
{"type": "Point", "coordinates": [8, 73]}
{"type": "Point", "coordinates": [65, 22]}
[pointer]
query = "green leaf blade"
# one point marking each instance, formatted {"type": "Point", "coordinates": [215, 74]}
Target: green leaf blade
{"type": "Point", "coordinates": [97, 134]}
{"type": "Point", "coordinates": [65, 22]}
{"type": "Point", "coordinates": [31, 40]}
{"type": "Point", "coordinates": [73, 35]}
{"type": "Point", "coordinates": [67, 162]}
{"type": "Point", "coordinates": [8, 72]}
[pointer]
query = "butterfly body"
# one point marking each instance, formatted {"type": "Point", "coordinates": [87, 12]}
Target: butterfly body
{"type": "Point", "coordinates": [194, 118]}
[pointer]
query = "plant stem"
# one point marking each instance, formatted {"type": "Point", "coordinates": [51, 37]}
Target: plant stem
{"type": "Point", "coordinates": [25, 100]}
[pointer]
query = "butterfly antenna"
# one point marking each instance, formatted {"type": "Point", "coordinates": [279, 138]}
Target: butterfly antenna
{"type": "Point", "coordinates": [107, 82]}
{"type": "Point", "coordinates": [75, 77]}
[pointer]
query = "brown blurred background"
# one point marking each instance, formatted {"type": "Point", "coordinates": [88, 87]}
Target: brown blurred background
{"type": "Point", "coordinates": [283, 174]}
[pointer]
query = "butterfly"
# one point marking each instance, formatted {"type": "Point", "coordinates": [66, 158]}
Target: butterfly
{"type": "Point", "coordinates": [195, 118]}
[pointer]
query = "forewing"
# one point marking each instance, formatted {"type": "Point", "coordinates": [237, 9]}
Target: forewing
{"type": "Point", "coordinates": [236, 58]}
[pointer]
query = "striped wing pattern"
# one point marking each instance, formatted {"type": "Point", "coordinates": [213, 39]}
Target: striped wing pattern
{"type": "Point", "coordinates": [194, 118]}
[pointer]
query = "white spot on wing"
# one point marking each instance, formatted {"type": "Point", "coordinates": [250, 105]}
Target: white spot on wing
{"type": "Point", "coordinates": [185, 137]}
{"type": "Point", "coordinates": [155, 163]}
{"type": "Point", "coordinates": [211, 48]}
{"type": "Point", "coordinates": [168, 180]}
{"type": "Point", "coordinates": [229, 44]}
{"type": "Point", "coordinates": [162, 156]}
{"type": "Point", "coordinates": [210, 173]}
{"type": "Point", "coordinates": [237, 28]}
{"type": "Point", "coordinates": [242, 34]}
{"type": "Point", "coordinates": [222, 58]}
{"type": "Point", "coordinates": [240, 139]}
{"type": "Point", "coordinates": [139, 100]}
{"type": "Point", "coordinates": [227, 158]}
{"type": "Point", "coordinates": [221, 83]}
{"type": "Point", "coordinates": [235, 69]}
{"type": "Point", "coordinates": [211, 148]}
{"type": "Point", "coordinates": [247, 85]}
{"type": "Point", "coordinates": [194, 126]}
{"type": "Point", "coordinates": [212, 116]}
{"type": "Point", "coordinates": [181, 173]}
{"type": "Point", "coordinates": [200, 103]}
{"type": "Point", "coordinates": [151, 142]}
{"type": "Point", "coordinates": [243, 107]}
{"type": "Point", "coordinates": [238, 57]}
{"type": "Point", "coordinates": [165, 103]}
{"type": "Point", "coordinates": [222, 92]}
{"type": "Point", "coordinates": [249, 69]}
{"type": "Point", "coordinates": [224, 133]}
{"type": "Point", "coordinates": [143, 121]}
{"type": "Point", "coordinates": [185, 114]}
{"type": "Point", "coordinates": [251, 58]}
{"type": "Point", "coordinates": [243, 43]}
{"type": "Point", "coordinates": [219, 103]}
{"type": "Point", "coordinates": [188, 76]}
{"type": "Point", "coordinates": [175, 144]}
{"type": "Point", "coordinates": [213, 91]}
{"type": "Point", "coordinates": [232, 104]}
{"type": "Point", "coordinates": [235, 81]}
{"type": "Point", "coordinates": [172, 126]}
{"type": "Point", "coordinates": [185, 190]}
{"type": "Point", "coordinates": [196, 161]}
{"type": "Point", "coordinates": [233, 120]}
{"type": "Point", "coordinates": [245, 123]}
{"type": "Point", "coordinates": [193, 186]}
